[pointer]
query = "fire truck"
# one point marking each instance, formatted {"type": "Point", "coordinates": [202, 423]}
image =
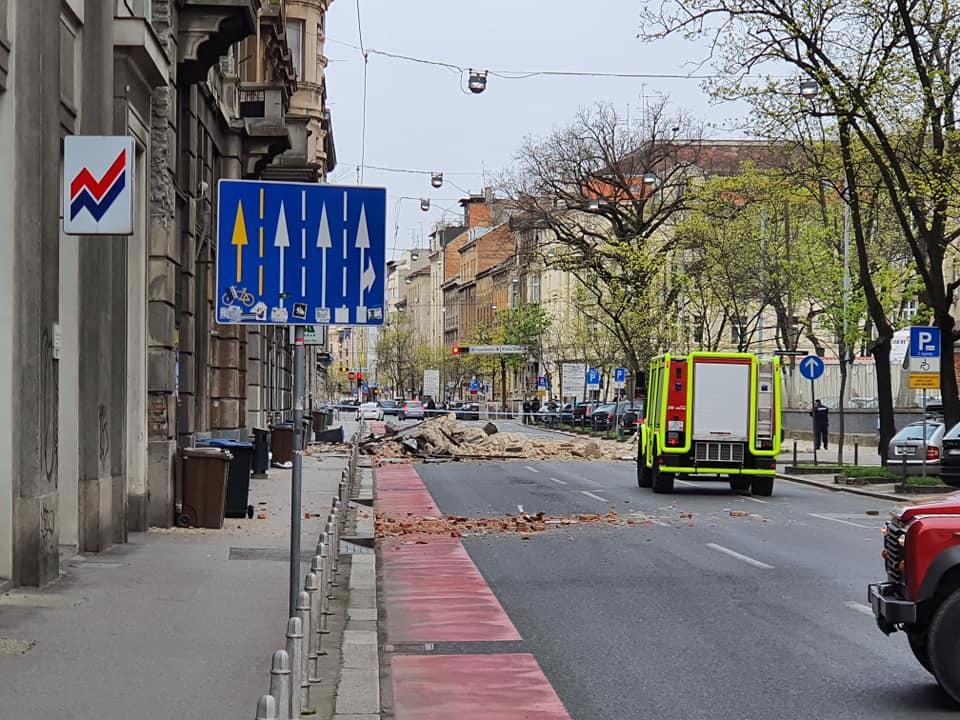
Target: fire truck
{"type": "Point", "coordinates": [711, 416]}
{"type": "Point", "coordinates": [921, 594]}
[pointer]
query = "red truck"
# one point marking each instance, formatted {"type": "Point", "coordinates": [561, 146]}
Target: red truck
{"type": "Point", "coordinates": [921, 596]}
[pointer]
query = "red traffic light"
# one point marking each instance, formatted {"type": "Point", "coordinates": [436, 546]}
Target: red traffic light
{"type": "Point", "coordinates": [455, 349]}
{"type": "Point", "coordinates": [359, 376]}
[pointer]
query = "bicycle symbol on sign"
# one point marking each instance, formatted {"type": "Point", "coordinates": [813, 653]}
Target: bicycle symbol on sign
{"type": "Point", "coordinates": [240, 295]}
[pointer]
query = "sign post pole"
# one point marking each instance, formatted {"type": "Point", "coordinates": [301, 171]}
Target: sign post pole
{"type": "Point", "coordinates": [297, 484]}
{"type": "Point", "coordinates": [923, 448]}
{"type": "Point", "coordinates": [812, 367]}
{"type": "Point", "coordinates": [813, 415]}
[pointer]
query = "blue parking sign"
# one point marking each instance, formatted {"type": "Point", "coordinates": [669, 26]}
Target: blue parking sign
{"type": "Point", "coordinates": [924, 342]}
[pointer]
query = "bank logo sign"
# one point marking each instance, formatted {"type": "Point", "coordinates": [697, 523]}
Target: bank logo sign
{"type": "Point", "coordinates": [98, 185]}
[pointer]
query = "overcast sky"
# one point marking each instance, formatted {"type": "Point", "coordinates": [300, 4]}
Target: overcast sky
{"type": "Point", "coordinates": [419, 118]}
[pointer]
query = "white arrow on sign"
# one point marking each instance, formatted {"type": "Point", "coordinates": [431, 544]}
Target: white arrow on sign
{"type": "Point", "coordinates": [282, 241]}
{"type": "Point", "coordinates": [368, 275]}
{"type": "Point", "coordinates": [324, 242]}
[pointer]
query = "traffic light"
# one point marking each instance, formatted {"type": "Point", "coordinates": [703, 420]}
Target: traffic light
{"type": "Point", "coordinates": [460, 349]}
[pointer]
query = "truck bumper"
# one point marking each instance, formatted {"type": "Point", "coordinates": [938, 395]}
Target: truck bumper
{"type": "Point", "coordinates": [889, 607]}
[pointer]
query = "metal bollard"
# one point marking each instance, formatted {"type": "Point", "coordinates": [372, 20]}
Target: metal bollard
{"type": "Point", "coordinates": [266, 708]}
{"type": "Point", "coordinates": [325, 592]}
{"type": "Point", "coordinates": [334, 535]}
{"type": "Point", "coordinates": [295, 653]}
{"type": "Point", "coordinates": [313, 650]}
{"type": "Point", "coordinates": [306, 621]}
{"type": "Point", "coordinates": [280, 683]}
{"type": "Point", "coordinates": [856, 450]}
{"type": "Point", "coordinates": [794, 455]}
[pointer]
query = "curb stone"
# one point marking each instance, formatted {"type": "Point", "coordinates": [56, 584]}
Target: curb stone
{"type": "Point", "coordinates": [844, 488]}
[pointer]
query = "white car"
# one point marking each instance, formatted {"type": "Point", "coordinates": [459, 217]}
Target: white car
{"type": "Point", "coordinates": [369, 411]}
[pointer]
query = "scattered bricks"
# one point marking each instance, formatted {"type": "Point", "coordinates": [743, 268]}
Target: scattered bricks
{"type": "Point", "coordinates": [686, 516]}
{"type": "Point", "coordinates": [739, 513]}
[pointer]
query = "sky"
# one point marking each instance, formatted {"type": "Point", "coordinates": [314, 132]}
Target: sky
{"type": "Point", "coordinates": [419, 117]}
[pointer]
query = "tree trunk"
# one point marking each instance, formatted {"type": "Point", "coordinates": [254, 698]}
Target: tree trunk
{"type": "Point", "coordinates": [503, 383]}
{"type": "Point", "coordinates": [948, 372]}
{"type": "Point", "coordinates": [881, 358]}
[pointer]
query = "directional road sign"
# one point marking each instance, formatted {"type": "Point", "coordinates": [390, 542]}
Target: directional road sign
{"type": "Point", "coordinates": [811, 367]}
{"type": "Point", "coordinates": [300, 254]}
{"type": "Point", "coordinates": [593, 379]}
{"type": "Point", "coordinates": [619, 377]}
{"type": "Point", "coordinates": [925, 349]}
{"type": "Point", "coordinates": [497, 349]}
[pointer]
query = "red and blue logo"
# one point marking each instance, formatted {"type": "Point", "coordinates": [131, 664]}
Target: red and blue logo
{"type": "Point", "coordinates": [97, 196]}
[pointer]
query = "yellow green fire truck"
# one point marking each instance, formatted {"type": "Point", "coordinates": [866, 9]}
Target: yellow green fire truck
{"type": "Point", "coordinates": [711, 416]}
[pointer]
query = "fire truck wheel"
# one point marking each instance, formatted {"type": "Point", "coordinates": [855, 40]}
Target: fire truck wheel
{"type": "Point", "coordinates": [661, 482]}
{"type": "Point", "coordinates": [943, 645]}
{"type": "Point", "coordinates": [643, 474]}
{"type": "Point", "coordinates": [918, 643]}
{"type": "Point", "coordinates": [740, 484]}
{"type": "Point", "coordinates": [762, 486]}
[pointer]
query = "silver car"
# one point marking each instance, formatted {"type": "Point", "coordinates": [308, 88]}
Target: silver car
{"type": "Point", "coordinates": [909, 446]}
{"type": "Point", "coordinates": [412, 409]}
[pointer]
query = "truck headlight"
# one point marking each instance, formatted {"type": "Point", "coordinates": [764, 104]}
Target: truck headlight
{"type": "Point", "coordinates": [902, 540]}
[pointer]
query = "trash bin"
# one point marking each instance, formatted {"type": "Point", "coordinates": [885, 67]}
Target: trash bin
{"type": "Point", "coordinates": [281, 443]}
{"type": "Point", "coordinates": [329, 417]}
{"type": "Point", "coordinates": [261, 452]}
{"type": "Point", "coordinates": [319, 422]}
{"type": "Point", "coordinates": [307, 423]}
{"type": "Point", "coordinates": [238, 481]}
{"type": "Point", "coordinates": [204, 487]}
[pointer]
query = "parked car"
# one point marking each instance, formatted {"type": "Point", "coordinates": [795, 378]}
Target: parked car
{"type": "Point", "coordinates": [467, 411]}
{"type": "Point", "coordinates": [412, 409]}
{"type": "Point", "coordinates": [369, 411]}
{"type": "Point", "coordinates": [390, 407]}
{"type": "Point", "coordinates": [950, 457]}
{"type": "Point", "coordinates": [553, 413]}
{"type": "Point", "coordinates": [603, 416]}
{"type": "Point", "coordinates": [631, 418]}
{"type": "Point", "coordinates": [909, 446]}
{"type": "Point", "coordinates": [582, 412]}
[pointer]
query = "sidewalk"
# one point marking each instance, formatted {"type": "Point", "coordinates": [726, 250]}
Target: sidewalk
{"type": "Point", "coordinates": [176, 623]}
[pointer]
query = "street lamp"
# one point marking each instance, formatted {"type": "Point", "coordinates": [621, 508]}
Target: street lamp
{"type": "Point", "coordinates": [425, 204]}
{"type": "Point", "coordinates": [477, 81]}
{"type": "Point", "coordinates": [809, 89]}
{"type": "Point", "coordinates": [650, 178]}
{"type": "Point", "coordinates": [436, 179]}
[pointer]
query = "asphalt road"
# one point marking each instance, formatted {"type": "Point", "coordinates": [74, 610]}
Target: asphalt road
{"type": "Point", "coordinates": [707, 615]}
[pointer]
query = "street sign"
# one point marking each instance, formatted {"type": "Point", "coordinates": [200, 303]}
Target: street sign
{"type": "Point", "coordinates": [98, 182]}
{"type": "Point", "coordinates": [352, 376]}
{"type": "Point", "coordinates": [543, 383]}
{"type": "Point", "coordinates": [572, 380]}
{"type": "Point", "coordinates": [300, 254]}
{"type": "Point", "coordinates": [811, 367]}
{"type": "Point", "coordinates": [923, 381]}
{"type": "Point", "coordinates": [925, 349]}
{"type": "Point", "coordinates": [312, 335]}
{"type": "Point", "coordinates": [474, 386]}
{"type": "Point", "coordinates": [593, 379]}
{"type": "Point", "coordinates": [619, 377]}
{"type": "Point", "coordinates": [497, 350]}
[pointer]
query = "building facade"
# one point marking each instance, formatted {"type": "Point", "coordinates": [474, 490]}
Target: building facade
{"type": "Point", "coordinates": [110, 360]}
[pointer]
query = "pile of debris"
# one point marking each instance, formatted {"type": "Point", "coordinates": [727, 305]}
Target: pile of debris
{"type": "Point", "coordinates": [523, 524]}
{"type": "Point", "coordinates": [445, 437]}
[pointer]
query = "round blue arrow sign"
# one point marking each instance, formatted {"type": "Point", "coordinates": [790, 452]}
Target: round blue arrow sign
{"type": "Point", "coordinates": [811, 367]}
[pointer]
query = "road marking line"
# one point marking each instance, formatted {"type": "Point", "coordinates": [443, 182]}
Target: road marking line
{"type": "Point", "coordinates": [859, 607]}
{"type": "Point", "coordinates": [531, 469]}
{"type": "Point", "coordinates": [747, 497]}
{"type": "Point", "coordinates": [595, 497]}
{"type": "Point", "coordinates": [738, 556]}
{"type": "Point", "coordinates": [845, 522]}
{"type": "Point", "coordinates": [559, 482]}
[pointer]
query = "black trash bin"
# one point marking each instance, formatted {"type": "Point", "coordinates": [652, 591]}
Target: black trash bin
{"type": "Point", "coordinates": [261, 452]}
{"type": "Point", "coordinates": [238, 481]}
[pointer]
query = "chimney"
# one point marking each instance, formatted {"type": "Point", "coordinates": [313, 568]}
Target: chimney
{"type": "Point", "coordinates": [476, 210]}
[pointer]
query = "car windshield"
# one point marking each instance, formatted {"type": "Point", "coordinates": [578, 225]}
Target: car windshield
{"type": "Point", "coordinates": [915, 432]}
{"type": "Point", "coordinates": [389, 403]}
{"type": "Point", "coordinates": [414, 405]}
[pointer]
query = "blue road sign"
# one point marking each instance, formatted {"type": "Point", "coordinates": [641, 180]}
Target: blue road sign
{"type": "Point", "coordinates": [924, 342]}
{"type": "Point", "coordinates": [593, 379]}
{"type": "Point", "coordinates": [543, 383]}
{"type": "Point", "coordinates": [811, 367]}
{"type": "Point", "coordinates": [474, 385]}
{"type": "Point", "coordinates": [620, 375]}
{"type": "Point", "coordinates": [300, 254]}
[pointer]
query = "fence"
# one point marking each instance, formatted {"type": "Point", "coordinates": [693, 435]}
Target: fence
{"type": "Point", "coordinates": [294, 669]}
{"type": "Point", "coordinates": [861, 388]}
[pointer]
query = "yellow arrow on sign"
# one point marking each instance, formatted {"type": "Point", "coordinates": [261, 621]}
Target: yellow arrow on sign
{"type": "Point", "coordinates": [239, 239]}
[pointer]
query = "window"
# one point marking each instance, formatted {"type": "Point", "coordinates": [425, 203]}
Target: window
{"type": "Point", "coordinates": [535, 289]}
{"type": "Point", "coordinates": [295, 43]}
{"type": "Point", "coordinates": [908, 310]}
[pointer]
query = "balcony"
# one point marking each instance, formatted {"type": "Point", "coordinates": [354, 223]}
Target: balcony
{"type": "Point", "coordinates": [207, 28]}
{"type": "Point", "coordinates": [263, 113]}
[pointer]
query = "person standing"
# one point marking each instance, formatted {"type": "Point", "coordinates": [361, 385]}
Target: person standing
{"type": "Point", "coordinates": [821, 424]}
{"type": "Point", "coordinates": [526, 410]}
